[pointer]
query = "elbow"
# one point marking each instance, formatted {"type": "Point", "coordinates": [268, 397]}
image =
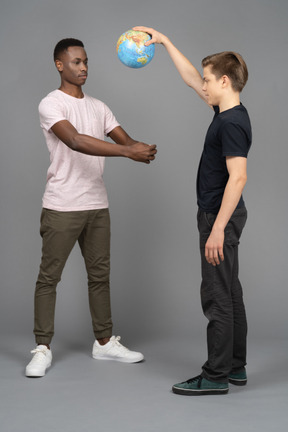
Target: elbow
{"type": "Point", "coordinates": [242, 180]}
{"type": "Point", "coordinates": [238, 181]}
{"type": "Point", "coordinates": [75, 143]}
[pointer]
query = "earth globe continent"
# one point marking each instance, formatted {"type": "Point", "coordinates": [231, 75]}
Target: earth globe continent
{"type": "Point", "coordinates": [131, 49]}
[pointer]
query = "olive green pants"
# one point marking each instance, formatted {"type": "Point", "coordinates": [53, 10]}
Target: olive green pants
{"type": "Point", "coordinates": [60, 231]}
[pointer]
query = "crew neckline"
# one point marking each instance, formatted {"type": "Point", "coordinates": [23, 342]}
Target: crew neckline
{"type": "Point", "coordinates": [70, 96]}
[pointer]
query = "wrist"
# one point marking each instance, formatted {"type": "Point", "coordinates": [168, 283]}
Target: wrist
{"type": "Point", "coordinates": [125, 151]}
{"type": "Point", "coordinates": [165, 41]}
{"type": "Point", "coordinates": [218, 227]}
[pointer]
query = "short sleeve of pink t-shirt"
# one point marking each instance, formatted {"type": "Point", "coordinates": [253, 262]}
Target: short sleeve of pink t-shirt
{"type": "Point", "coordinates": [74, 180]}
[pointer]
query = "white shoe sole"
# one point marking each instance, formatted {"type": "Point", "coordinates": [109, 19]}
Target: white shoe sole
{"type": "Point", "coordinates": [119, 359]}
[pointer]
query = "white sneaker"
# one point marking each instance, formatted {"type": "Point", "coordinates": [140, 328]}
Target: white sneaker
{"type": "Point", "coordinates": [113, 350]}
{"type": "Point", "coordinates": [41, 360]}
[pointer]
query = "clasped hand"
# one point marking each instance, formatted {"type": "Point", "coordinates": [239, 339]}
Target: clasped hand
{"type": "Point", "coordinates": [141, 152]}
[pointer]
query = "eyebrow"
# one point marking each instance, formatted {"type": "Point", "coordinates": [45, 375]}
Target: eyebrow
{"type": "Point", "coordinates": [78, 58]}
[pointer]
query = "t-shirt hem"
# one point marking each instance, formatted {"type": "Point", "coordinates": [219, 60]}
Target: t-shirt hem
{"type": "Point", "coordinates": [215, 211]}
{"type": "Point", "coordinates": [235, 154]}
{"type": "Point", "coordinates": [51, 124]}
{"type": "Point", "coordinates": [69, 209]}
{"type": "Point", "coordinates": [111, 128]}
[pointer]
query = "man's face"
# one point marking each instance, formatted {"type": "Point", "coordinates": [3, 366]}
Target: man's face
{"type": "Point", "coordinates": [212, 87]}
{"type": "Point", "coordinates": [73, 66]}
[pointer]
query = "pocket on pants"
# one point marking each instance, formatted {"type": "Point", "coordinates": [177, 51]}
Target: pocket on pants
{"type": "Point", "coordinates": [210, 219]}
{"type": "Point", "coordinates": [235, 226]}
{"type": "Point", "coordinates": [205, 224]}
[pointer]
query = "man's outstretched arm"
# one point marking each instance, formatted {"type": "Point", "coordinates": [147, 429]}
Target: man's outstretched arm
{"type": "Point", "coordinates": [124, 147]}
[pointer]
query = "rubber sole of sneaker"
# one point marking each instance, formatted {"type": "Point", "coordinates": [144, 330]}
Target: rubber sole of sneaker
{"type": "Point", "coordinates": [186, 392]}
{"type": "Point", "coordinates": [119, 359]}
{"type": "Point", "coordinates": [238, 382]}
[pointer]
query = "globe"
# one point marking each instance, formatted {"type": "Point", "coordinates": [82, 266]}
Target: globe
{"type": "Point", "coordinates": [131, 49]}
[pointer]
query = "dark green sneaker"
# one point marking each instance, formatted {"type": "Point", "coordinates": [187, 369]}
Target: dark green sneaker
{"type": "Point", "coordinates": [198, 386]}
{"type": "Point", "coordinates": [238, 378]}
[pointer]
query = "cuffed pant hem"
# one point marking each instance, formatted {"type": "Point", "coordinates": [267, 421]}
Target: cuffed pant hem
{"type": "Point", "coordinates": [103, 334]}
{"type": "Point", "coordinates": [220, 380]}
{"type": "Point", "coordinates": [43, 340]}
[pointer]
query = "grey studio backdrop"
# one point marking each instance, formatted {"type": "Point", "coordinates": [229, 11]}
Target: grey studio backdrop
{"type": "Point", "coordinates": [155, 274]}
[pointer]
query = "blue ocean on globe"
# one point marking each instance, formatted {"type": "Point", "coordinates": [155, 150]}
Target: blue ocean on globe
{"type": "Point", "coordinates": [131, 49]}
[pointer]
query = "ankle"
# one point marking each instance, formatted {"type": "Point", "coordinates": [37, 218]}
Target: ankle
{"type": "Point", "coordinates": [103, 341]}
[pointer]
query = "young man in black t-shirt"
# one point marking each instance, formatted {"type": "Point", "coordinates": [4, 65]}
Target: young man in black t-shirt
{"type": "Point", "coordinates": [222, 175]}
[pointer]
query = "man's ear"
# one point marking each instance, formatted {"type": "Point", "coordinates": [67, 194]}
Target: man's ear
{"type": "Point", "coordinates": [225, 81]}
{"type": "Point", "coordinates": [59, 65]}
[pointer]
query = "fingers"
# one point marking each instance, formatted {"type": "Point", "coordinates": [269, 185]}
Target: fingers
{"type": "Point", "coordinates": [142, 152]}
{"type": "Point", "coordinates": [221, 255]}
{"type": "Point", "coordinates": [143, 28]}
{"type": "Point", "coordinates": [214, 247]}
{"type": "Point", "coordinates": [214, 256]}
{"type": "Point", "coordinates": [151, 151]}
{"type": "Point", "coordinates": [151, 155]}
{"type": "Point", "coordinates": [153, 33]}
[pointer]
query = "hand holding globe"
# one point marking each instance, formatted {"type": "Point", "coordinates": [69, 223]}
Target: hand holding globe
{"type": "Point", "coordinates": [132, 51]}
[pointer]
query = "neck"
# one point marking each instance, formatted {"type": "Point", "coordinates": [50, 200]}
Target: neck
{"type": "Point", "coordinates": [72, 90]}
{"type": "Point", "coordinates": [229, 103]}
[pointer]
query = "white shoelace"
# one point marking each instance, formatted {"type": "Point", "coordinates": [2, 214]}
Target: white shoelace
{"type": "Point", "coordinates": [38, 351]}
{"type": "Point", "coordinates": [115, 341]}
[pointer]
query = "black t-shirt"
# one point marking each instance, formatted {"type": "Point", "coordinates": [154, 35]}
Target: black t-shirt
{"type": "Point", "coordinates": [228, 135]}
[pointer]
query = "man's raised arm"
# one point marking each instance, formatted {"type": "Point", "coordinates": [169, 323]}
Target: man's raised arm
{"type": "Point", "coordinates": [188, 72]}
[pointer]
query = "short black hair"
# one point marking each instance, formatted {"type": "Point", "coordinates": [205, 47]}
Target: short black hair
{"type": "Point", "coordinates": [64, 44]}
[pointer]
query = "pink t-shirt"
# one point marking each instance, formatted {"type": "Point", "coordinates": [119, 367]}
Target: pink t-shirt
{"type": "Point", "coordinates": [74, 180]}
